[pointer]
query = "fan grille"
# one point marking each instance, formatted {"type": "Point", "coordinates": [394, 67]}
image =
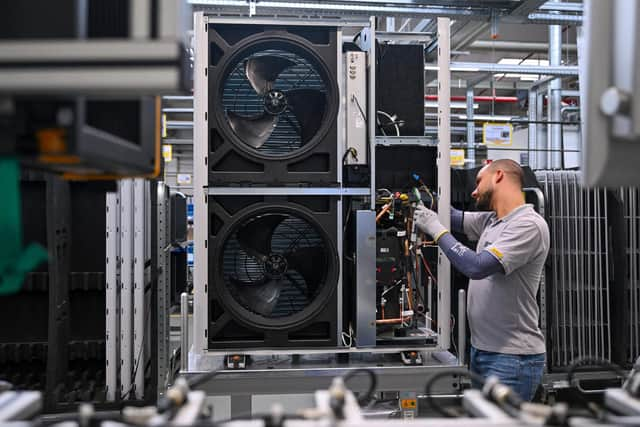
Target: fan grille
{"type": "Point", "coordinates": [245, 273]}
{"type": "Point", "coordinates": [239, 97]}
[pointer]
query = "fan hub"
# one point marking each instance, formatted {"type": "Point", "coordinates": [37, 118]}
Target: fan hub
{"type": "Point", "coordinates": [275, 102]}
{"type": "Point", "coordinates": [275, 265]}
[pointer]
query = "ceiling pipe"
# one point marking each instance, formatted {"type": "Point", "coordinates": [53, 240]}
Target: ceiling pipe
{"type": "Point", "coordinates": [478, 98]}
{"type": "Point", "coordinates": [511, 46]}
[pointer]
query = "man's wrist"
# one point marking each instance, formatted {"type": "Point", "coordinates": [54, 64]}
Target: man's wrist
{"type": "Point", "coordinates": [438, 235]}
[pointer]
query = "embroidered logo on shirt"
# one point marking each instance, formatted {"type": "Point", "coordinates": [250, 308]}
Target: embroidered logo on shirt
{"type": "Point", "coordinates": [459, 249]}
{"type": "Point", "coordinates": [496, 252]}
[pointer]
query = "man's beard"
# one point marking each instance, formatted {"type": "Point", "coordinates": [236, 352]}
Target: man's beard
{"type": "Point", "coordinates": [483, 202]}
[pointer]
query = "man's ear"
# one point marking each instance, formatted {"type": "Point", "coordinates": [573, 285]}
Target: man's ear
{"type": "Point", "coordinates": [498, 176]}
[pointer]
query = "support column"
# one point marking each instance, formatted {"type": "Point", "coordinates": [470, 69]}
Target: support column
{"type": "Point", "coordinates": [471, 128]}
{"type": "Point", "coordinates": [554, 98]}
{"type": "Point", "coordinates": [444, 178]}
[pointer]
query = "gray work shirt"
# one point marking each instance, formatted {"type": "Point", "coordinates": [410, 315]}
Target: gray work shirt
{"type": "Point", "coordinates": [502, 308]}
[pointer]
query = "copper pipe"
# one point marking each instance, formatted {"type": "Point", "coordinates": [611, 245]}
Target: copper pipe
{"type": "Point", "coordinates": [384, 210]}
{"type": "Point", "coordinates": [391, 321]}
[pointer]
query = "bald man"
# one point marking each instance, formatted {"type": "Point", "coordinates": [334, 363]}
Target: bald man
{"type": "Point", "coordinates": [504, 273]}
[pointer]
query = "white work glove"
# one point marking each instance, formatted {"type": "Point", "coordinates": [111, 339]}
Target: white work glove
{"type": "Point", "coordinates": [427, 221]}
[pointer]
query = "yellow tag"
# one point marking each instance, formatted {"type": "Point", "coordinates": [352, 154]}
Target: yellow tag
{"type": "Point", "coordinates": [497, 134]}
{"type": "Point", "coordinates": [496, 252]}
{"type": "Point", "coordinates": [457, 157]}
{"type": "Point", "coordinates": [408, 403]}
{"type": "Point", "coordinates": [167, 152]}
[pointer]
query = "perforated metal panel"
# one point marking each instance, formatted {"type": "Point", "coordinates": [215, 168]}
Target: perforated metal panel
{"type": "Point", "coordinates": [631, 209]}
{"type": "Point", "coordinates": [579, 283]}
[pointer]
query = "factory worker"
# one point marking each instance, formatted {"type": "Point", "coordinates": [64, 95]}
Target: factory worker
{"type": "Point", "coordinates": [504, 273]}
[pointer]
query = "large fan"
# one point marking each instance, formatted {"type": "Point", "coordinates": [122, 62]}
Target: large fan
{"type": "Point", "coordinates": [275, 100]}
{"type": "Point", "coordinates": [275, 264]}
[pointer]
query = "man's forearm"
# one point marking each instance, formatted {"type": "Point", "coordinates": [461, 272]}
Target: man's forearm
{"type": "Point", "coordinates": [457, 220]}
{"type": "Point", "coordinates": [473, 265]}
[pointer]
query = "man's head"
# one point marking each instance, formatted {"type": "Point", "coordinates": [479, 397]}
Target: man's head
{"type": "Point", "coordinates": [502, 175]}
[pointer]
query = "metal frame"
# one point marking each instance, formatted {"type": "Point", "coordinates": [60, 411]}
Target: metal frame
{"type": "Point", "coordinates": [112, 297]}
{"type": "Point", "coordinates": [580, 268]}
{"type": "Point", "coordinates": [139, 309]}
{"type": "Point", "coordinates": [163, 284]}
{"type": "Point", "coordinates": [126, 290]}
{"type": "Point", "coordinates": [444, 179]}
{"type": "Point", "coordinates": [287, 191]}
{"type": "Point", "coordinates": [201, 191]}
{"type": "Point", "coordinates": [128, 248]}
{"type": "Point", "coordinates": [200, 184]}
{"type": "Point", "coordinates": [530, 12]}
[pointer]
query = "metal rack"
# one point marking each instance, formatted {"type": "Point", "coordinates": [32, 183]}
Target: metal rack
{"type": "Point", "coordinates": [580, 277]}
{"type": "Point", "coordinates": [630, 198]}
{"type": "Point", "coordinates": [128, 252]}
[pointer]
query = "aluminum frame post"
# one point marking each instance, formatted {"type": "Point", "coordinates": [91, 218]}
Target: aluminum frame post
{"type": "Point", "coordinates": [471, 128]}
{"type": "Point", "coordinates": [139, 237]}
{"type": "Point", "coordinates": [444, 178]}
{"type": "Point", "coordinates": [126, 290]}
{"type": "Point", "coordinates": [462, 326]}
{"type": "Point", "coordinates": [163, 302]}
{"type": "Point", "coordinates": [555, 130]}
{"type": "Point", "coordinates": [372, 112]}
{"type": "Point", "coordinates": [533, 129]}
{"type": "Point", "coordinates": [200, 183]}
{"type": "Point", "coordinates": [112, 321]}
{"type": "Point", "coordinates": [184, 331]}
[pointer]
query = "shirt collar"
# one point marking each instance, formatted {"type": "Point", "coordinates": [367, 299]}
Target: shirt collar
{"type": "Point", "coordinates": [513, 213]}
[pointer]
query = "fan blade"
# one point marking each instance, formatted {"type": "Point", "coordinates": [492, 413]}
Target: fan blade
{"type": "Point", "coordinates": [262, 298]}
{"type": "Point", "coordinates": [255, 237]}
{"type": "Point", "coordinates": [262, 71]}
{"type": "Point", "coordinates": [308, 106]}
{"type": "Point", "coordinates": [311, 263]}
{"type": "Point", "coordinates": [254, 131]}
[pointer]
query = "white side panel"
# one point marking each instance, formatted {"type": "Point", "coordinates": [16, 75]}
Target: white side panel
{"type": "Point", "coordinates": [112, 294]}
{"type": "Point", "coordinates": [126, 288]}
{"type": "Point", "coordinates": [138, 285]}
{"type": "Point", "coordinates": [200, 183]}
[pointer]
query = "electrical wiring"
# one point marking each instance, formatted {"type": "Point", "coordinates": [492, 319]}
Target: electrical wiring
{"type": "Point", "coordinates": [352, 151]}
{"type": "Point", "coordinates": [349, 335]}
{"type": "Point", "coordinates": [593, 361]}
{"type": "Point", "coordinates": [426, 266]}
{"type": "Point", "coordinates": [373, 383]}
{"type": "Point", "coordinates": [445, 374]}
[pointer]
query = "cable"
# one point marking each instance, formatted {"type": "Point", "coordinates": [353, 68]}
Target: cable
{"type": "Point", "coordinates": [196, 382]}
{"type": "Point", "coordinates": [355, 99]}
{"type": "Point", "coordinates": [426, 266]}
{"type": "Point", "coordinates": [443, 374]}
{"type": "Point", "coordinates": [373, 384]}
{"type": "Point", "coordinates": [352, 151]}
{"type": "Point", "coordinates": [135, 369]}
{"type": "Point", "coordinates": [593, 361]}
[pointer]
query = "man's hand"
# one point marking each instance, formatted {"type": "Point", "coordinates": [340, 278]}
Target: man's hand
{"type": "Point", "coordinates": [427, 221]}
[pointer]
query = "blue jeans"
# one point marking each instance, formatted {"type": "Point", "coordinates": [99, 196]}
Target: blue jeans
{"type": "Point", "coordinates": [521, 372]}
